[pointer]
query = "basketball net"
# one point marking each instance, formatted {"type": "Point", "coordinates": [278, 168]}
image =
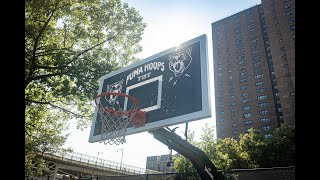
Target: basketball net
{"type": "Point", "coordinates": [114, 121]}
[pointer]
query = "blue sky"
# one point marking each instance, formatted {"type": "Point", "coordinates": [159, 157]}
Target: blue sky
{"type": "Point", "coordinates": [169, 22]}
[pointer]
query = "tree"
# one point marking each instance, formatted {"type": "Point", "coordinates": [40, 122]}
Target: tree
{"type": "Point", "coordinates": [69, 44]}
{"type": "Point", "coordinates": [280, 149]}
{"type": "Point", "coordinates": [224, 153]}
{"type": "Point", "coordinates": [252, 150]}
{"type": "Point", "coordinates": [182, 164]}
{"type": "Point", "coordinates": [252, 145]}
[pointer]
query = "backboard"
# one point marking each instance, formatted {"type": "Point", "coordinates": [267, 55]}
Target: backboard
{"type": "Point", "coordinates": [172, 87]}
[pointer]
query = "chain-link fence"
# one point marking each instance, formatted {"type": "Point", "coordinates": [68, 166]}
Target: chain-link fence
{"type": "Point", "coordinates": [278, 173]}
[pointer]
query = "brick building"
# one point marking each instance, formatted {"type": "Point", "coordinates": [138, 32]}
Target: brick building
{"type": "Point", "coordinates": [254, 68]}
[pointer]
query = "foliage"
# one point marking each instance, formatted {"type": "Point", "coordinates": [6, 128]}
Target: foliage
{"type": "Point", "coordinates": [69, 45]}
{"type": "Point", "coordinates": [224, 153]}
{"type": "Point", "coordinates": [252, 145]}
{"type": "Point", "coordinates": [280, 149]}
{"type": "Point", "coordinates": [252, 150]}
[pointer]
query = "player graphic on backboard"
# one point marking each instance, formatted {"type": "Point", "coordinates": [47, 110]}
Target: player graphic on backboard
{"type": "Point", "coordinates": [179, 62]}
{"type": "Point", "coordinates": [115, 88]}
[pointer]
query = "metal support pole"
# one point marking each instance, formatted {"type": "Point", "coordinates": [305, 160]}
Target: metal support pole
{"type": "Point", "coordinates": [186, 132]}
{"type": "Point", "coordinates": [98, 156]}
{"type": "Point", "coordinates": [55, 172]}
{"type": "Point", "coordinates": [121, 157]}
{"type": "Point", "coordinates": [203, 165]}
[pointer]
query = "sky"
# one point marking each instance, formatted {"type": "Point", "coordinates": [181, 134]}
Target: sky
{"type": "Point", "coordinates": [169, 23]}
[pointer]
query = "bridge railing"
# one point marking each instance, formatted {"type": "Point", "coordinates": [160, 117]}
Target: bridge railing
{"type": "Point", "coordinates": [98, 162]}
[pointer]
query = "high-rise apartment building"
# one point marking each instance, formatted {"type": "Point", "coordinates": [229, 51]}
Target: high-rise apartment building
{"type": "Point", "coordinates": [253, 53]}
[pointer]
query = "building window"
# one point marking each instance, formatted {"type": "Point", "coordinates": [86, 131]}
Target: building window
{"type": "Point", "coordinates": [254, 46]}
{"type": "Point", "coordinates": [235, 132]}
{"type": "Point", "coordinates": [258, 76]}
{"type": "Point", "coordinates": [250, 26]}
{"type": "Point", "coordinates": [291, 20]}
{"type": "Point", "coordinates": [248, 122]}
{"type": "Point", "coordinates": [263, 104]}
{"type": "Point", "coordinates": [240, 62]}
{"type": "Point", "coordinates": [234, 124]}
{"type": "Point", "coordinates": [238, 30]}
{"type": "Point", "coordinates": [261, 90]}
{"type": "Point", "coordinates": [243, 87]}
{"type": "Point", "coordinates": [264, 112]}
{"type": "Point", "coordinates": [287, 6]}
{"type": "Point", "coordinates": [232, 112]}
{"type": "Point", "coordinates": [240, 45]}
{"type": "Point", "coordinates": [251, 30]}
{"type": "Point", "coordinates": [242, 68]}
{"type": "Point", "coordinates": [221, 127]}
{"type": "Point", "coordinates": [245, 73]}
{"type": "Point", "coordinates": [267, 136]}
{"type": "Point", "coordinates": [243, 80]}
{"type": "Point", "coordinates": [262, 97]}
{"type": "Point", "coordinates": [252, 36]}
{"type": "Point", "coordinates": [260, 83]}
{"type": "Point", "coordinates": [240, 50]}
{"type": "Point", "coordinates": [292, 28]}
{"type": "Point", "coordinates": [221, 120]}
{"type": "Point", "coordinates": [246, 108]}
{"type": "Point", "coordinates": [247, 115]}
{"type": "Point", "coordinates": [253, 41]}
{"type": "Point", "coordinates": [258, 71]}
{"type": "Point", "coordinates": [246, 100]}
{"type": "Point", "coordinates": [289, 13]}
{"type": "Point", "coordinates": [240, 56]}
{"type": "Point", "coordinates": [257, 63]}
{"type": "Point", "coordinates": [232, 103]}
{"type": "Point", "coordinates": [250, 20]}
{"type": "Point", "coordinates": [245, 94]}
{"type": "Point", "coordinates": [264, 120]}
{"type": "Point", "coordinates": [266, 128]}
{"type": "Point", "coordinates": [239, 40]}
{"type": "Point", "coordinates": [254, 58]}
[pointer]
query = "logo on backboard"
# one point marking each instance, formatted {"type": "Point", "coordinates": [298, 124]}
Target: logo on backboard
{"type": "Point", "coordinates": [114, 88]}
{"type": "Point", "coordinates": [179, 62]}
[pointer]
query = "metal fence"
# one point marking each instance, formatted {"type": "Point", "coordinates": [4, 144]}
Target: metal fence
{"type": "Point", "coordinates": [99, 163]}
{"type": "Point", "coordinates": [277, 173]}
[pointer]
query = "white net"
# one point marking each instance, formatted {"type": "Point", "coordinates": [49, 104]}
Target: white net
{"type": "Point", "coordinates": [114, 123]}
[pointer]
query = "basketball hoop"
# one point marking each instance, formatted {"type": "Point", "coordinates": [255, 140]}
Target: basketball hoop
{"type": "Point", "coordinates": [114, 119]}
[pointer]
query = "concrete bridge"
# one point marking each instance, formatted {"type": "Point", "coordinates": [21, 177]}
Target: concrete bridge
{"type": "Point", "coordinates": [74, 164]}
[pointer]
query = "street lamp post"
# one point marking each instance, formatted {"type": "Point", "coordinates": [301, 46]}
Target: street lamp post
{"type": "Point", "coordinates": [98, 156]}
{"type": "Point", "coordinates": [121, 157]}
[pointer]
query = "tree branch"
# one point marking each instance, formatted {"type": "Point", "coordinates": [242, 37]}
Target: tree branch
{"type": "Point", "coordinates": [28, 80]}
{"type": "Point", "coordinates": [40, 34]}
{"type": "Point", "coordinates": [55, 106]}
{"type": "Point", "coordinates": [33, 60]}
{"type": "Point", "coordinates": [89, 49]}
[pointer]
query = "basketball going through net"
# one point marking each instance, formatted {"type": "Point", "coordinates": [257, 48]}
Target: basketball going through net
{"type": "Point", "coordinates": [115, 119]}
